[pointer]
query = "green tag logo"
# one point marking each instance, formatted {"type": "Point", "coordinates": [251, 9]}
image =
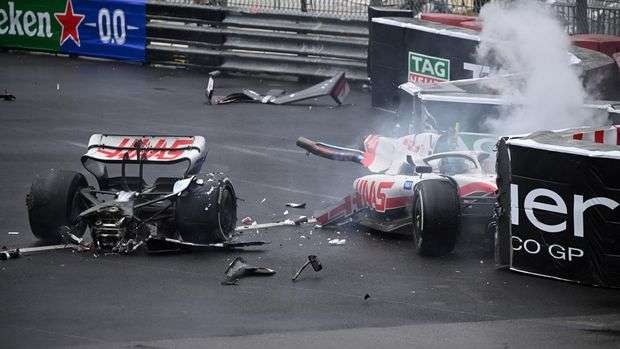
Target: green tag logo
{"type": "Point", "coordinates": [428, 69]}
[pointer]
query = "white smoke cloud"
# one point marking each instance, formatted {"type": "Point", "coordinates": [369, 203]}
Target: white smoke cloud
{"type": "Point", "coordinates": [525, 38]}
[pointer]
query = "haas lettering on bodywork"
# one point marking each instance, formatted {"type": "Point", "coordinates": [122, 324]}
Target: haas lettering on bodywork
{"type": "Point", "coordinates": [373, 193]}
{"type": "Point", "coordinates": [160, 149]}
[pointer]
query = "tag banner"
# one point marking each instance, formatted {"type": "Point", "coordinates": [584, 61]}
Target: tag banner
{"type": "Point", "coordinates": [110, 29]}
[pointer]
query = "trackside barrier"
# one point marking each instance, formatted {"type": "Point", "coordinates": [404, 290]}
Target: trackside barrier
{"type": "Point", "coordinates": [100, 28]}
{"type": "Point", "coordinates": [262, 42]}
{"type": "Point", "coordinates": [207, 37]}
{"type": "Point", "coordinates": [576, 237]}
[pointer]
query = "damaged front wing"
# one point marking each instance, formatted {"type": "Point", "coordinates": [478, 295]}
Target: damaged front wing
{"type": "Point", "coordinates": [336, 87]}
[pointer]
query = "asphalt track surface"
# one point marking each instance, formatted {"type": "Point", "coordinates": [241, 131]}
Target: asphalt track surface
{"type": "Point", "coordinates": [68, 299]}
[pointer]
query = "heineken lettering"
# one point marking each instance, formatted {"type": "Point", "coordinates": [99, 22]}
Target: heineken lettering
{"type": "Point", "coordinates": [101, 28]}
{"type": "Point", "coordinates": [28, 23]}
{"type": "Point", "coordinates": [428, 69]}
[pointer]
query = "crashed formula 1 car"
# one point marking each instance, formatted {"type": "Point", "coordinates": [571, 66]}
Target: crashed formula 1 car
{"type": "Point", "coordinates": [126, 212]}
{"type": "Point", "coordinates": [425, 183]}
{"type": "Point", "coordinates": [336, 87]}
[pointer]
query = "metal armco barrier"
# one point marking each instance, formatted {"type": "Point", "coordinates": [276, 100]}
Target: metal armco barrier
{"type": "Point", "coordinates": [262, 42]}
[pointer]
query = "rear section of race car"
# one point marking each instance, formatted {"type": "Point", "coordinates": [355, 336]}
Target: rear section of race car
{"type": "Point", "coordinates": [559, 200]}
{"type": "Point", "coordinates": [125, 212]}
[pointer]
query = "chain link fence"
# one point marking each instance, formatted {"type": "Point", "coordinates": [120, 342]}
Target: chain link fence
{"type": "Point", "coordinates": [590, 17]}
{"type": "Point", "coordinates": [345, 8]}
{"type": "Point", "coordinates": [579, 16]}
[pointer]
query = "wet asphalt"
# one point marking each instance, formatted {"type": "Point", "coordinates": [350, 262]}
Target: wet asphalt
{"type": "Point", "coordinates": [67, 299]}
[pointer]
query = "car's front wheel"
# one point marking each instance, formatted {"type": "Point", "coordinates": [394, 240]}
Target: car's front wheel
{"type": "Point", "coordinates": [436, 207]}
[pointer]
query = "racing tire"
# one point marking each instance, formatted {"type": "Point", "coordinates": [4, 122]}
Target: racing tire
{"type": "Point", "coordinates": [54, 202]}
{"type": "Point", "coordinates": [207, 213]}
{"type": "Point", "coordinates": [436, 210]}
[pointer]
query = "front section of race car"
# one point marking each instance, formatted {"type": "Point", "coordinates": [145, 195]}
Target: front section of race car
{"type": "Point", "coordinates": [125, 211]}
{"type": "Point", "coordinates": [424, 184]}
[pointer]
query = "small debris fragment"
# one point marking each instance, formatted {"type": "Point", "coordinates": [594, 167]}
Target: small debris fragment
{"type": "Point", "coordinates": [313, 261]}
{"type": "Point", "coordinates": [239, 268]}
{"type": "Point", "coordinates": [285, 212]}
{"type": "Point", "coordinates": [8, 254]}
{"type": "Point", "coordinates": [296, 205]}
{"type": "Point", "coordinates": [263, 200]}
{"type": "Point", "coordinates": [301, 219]}
{"type": "Point", "coordinates": [337, 241]}
{"type": "Point", "coordinates": [366, 296]}
{"type": "Point", "coordinates": [7, 97]}
{"type": "Point", "coordinates": [13, 233]}
{"type": "Point", "coordinates": [247, 221]}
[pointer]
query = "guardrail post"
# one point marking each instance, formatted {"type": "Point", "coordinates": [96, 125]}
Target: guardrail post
{"type": "Point", "coordinates": [581, 16]}
{"type": "Point", "coordinates": [304, 5]}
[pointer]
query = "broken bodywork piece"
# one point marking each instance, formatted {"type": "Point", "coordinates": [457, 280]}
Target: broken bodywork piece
{"type": "Point", "coordinates": [126, 212]}
{"type": "Point", "coordinates": [240, 268]}
{"type": "Point", "coordinates": [336, 87]}
{"type": "Point", "coordinates": [6, 96]}
{"type": "Point", "coordinates": [296, 205]}
{"type": "Point", "coordinates": [164, 244]}
{"type": "Point", "coordinates": [298, 221]}
{"type": "Point", "coordinates": [18, 252]}
{"type": "Point", "coordinates": [313, 261]}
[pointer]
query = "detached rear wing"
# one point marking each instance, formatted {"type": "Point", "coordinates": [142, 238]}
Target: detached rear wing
{"type": "Point", "coordinates": [146, 149]}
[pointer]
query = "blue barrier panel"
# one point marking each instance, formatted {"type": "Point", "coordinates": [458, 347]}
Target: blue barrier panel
{"type": "Point", "coordinates": [104, 28]}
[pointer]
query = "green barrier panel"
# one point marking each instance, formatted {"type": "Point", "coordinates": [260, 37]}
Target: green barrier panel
{"type": "Point", "coordinates": [30, 24]}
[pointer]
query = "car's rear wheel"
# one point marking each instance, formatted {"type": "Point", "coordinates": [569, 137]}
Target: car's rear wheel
{"type": "Point", "coordinates": [207, 213]}
{"type": "Point", "coordinates": [436, 209]}
{"type": "Point", "coordinates": [54, 202]}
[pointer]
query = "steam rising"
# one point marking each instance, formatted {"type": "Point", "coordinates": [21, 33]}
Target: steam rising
{"type": "Point", "coordinates": [525, 38]}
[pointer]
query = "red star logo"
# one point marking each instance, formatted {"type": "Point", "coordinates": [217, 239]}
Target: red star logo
{"type": "Point", "coordinates": [69, 22]}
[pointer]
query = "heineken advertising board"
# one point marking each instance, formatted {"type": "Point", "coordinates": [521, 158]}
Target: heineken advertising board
{"type": "Point", "coordinates": [101, 28]}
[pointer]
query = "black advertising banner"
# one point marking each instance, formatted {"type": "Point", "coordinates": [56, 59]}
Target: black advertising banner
{"type": "Point", "coordinates": [410, 49]}
{"type": "Point", "coordinates": [565, 214]}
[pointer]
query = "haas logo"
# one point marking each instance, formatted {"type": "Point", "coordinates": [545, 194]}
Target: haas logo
{"type": "Point", "coordinates": [161, 150]}
{"type": "Point", "coordinates": [373, 193]}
